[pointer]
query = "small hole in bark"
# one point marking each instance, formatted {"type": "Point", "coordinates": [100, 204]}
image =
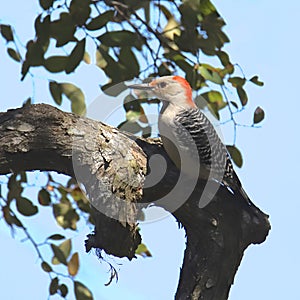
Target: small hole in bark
{"type": "Point", "coordinates": [106, 164]}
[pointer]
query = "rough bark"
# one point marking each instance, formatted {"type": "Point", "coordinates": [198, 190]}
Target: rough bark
{"type": "Point", "coordinates": [113, 167]}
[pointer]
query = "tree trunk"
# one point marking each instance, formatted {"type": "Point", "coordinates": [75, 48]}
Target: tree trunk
{"type": "Point", "coordinates": [113, 167]}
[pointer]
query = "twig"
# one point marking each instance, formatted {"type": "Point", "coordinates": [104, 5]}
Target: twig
{"type": "Point", "coordinates": [231, 114]}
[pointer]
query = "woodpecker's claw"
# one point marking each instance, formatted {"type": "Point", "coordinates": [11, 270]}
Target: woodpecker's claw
{"type": "Point", "coordinates": [141, 86]}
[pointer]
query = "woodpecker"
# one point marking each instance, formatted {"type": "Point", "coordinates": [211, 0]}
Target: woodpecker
{"type": "Point", "coordinates": [188, 137]}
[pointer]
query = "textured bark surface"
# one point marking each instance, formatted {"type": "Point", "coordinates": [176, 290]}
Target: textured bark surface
{"type": "Point", "coordinates": [113, 168]}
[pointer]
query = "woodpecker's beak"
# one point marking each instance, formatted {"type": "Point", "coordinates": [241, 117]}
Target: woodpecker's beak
{"type": "Point", "coordinates": [142, 86]}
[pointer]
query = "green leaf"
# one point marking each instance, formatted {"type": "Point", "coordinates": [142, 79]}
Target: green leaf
{"type": "Point", "coordinates": [100, 21]}
{"type": "Point", "coordinates": [229, 69]}
{"type": "Point", "coordinates": [130, 126]}
{"type": "Point", "coordinates": [234, 104]}
{"type": "Point", "coordinates": [237, 81]}
{"type": "Point", "coordinates": [164, 70]}
{"type": "Point", "coordinates": [46, 4]}
{"type": "Point", "coordinates": [56, 237]}
{"type": "Point", "coordinates": [215, 96]}
{"type": "Point", "coordinates": [121, 38]}
{"type": "Point", "coordinates": [46, 267]}
{"type": "Point", "coordinates": [132, 116]}
{"type": "Point", "coordinates": [205, 6]}
{"type": "Point", "coordinates": [26, 207]}
{"type": "Point", "coordinates": [63, 29]}
{"type": "Point", "coordinates": [114, 89]}
{"type": "Point", "coordinates": [255, 80]}
{"type": "Point", "coordinates": [66, 247]}
{"type": "Point", "coordinates": [14, 188]}
{"type": "Point", "coordinates": [77, 194]}
{"type": "Point", "coordinates": [56, 92]}
{"type": "Point", "coordinates": [53, 286]}
{"type": "Point", "coordinates": [7, 32]}
{"type": "Point", "coordinates": [76, 96]}
{"type": "Point", "coordinates": [65, 215]}
{"type": "Point", "coordinates": [75, 57]}
{"type": "Point", "coordinates": [80, 11]}
{"type": "Point", "coordinates": [210, 73]}
{"type": "Point", "coordinates": [61, 252]}
{"type": "Point", "coordinates": [84, 205]}
{"type": "Point", "coordinates": [131, 104]}
{"type": "Point", "coordinates": [146, 133]}
{"type": "Point", "coordinates": [215, 102]}
{"type": "Point", "coordinates": [216, 38]}
{"type": "Point", "coordinates": [224, 58]}
{"type": "Point", "coordinates": [165, 11]}
{"type": "Point", "coordinates": [172, 29]}
{"type": "Point", "coordinates": [213, 108]}
{"type": "Point", "coordinates": [259, 115]}
{"type": "Point", "coordinates": [180, 61]}
{"type": "Point", "coordinates": [60, 209]}
{"type": "Point", "coordinates": [44, 197]}
{"type": "Point", "coordinates": [128, 59]}
{"type": "Point", "coordinates": [42, 28]}
{"type": "Point", "coordinates": [189, 16]}
{"type": "Point", "coordinates": [86, 58]}
{"type": "Point", "coordinates": [106, 56]}
{"type": "Point", "coordinates": [114, 70]}
{"type": "Point", "coordinates": [56, 64]}
{"type": "Point", "coordinates": [9, 218]}
{"type": "Point", "coordinates": [242, 95]}
{"type": "Point", "coordinates": [14, 54]}
{"type": "Point", "coordinates": [71, 182]}
{"type": "Point", "coordinates": [235, 155]}
{"type": "Point", "coordinates": [82, 292]}
{"type": "Point", "coordinates": [70, 219]}
{"type": "Point", "coordinates": [73, 264]}
{"type": "Point", "coordinates": [59, 256]}
{"type": "Point", "coordinates": [147, 11]}
{"type": "Point", "coordinates": [143, 251]}
{"type": "Point", "coordinates": [143, 118]}
{"type": "Point", "coordinates": [63, 289]}
{"type": "Point", "coordinates": [34, 56]}
{"type": "Point", "coordinates": [100, 60]}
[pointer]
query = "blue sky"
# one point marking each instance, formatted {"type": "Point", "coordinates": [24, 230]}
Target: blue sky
{"type": "Point", "coordinates": [264, 42]}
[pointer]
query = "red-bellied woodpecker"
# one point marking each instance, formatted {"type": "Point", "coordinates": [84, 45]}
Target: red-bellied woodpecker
{"type": "Point", "coordinates": [188, 136]}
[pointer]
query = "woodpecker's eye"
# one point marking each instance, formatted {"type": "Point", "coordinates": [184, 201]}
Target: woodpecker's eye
{"type": "Point", "coordinates": [162, 85]}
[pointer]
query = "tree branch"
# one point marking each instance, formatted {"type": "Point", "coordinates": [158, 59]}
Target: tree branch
{"type": "Point", "coordinates": [117, 171]}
